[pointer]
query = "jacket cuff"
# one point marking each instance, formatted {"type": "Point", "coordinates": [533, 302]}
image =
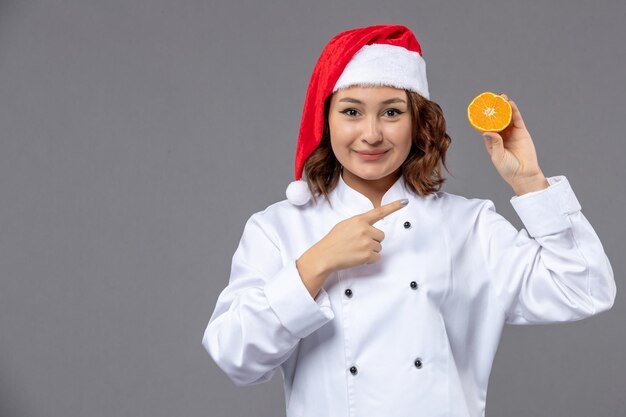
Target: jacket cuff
{"type": "Point", "coordinates": [545, 212]}
{"type": "Point", "coordinates": [292, 303]}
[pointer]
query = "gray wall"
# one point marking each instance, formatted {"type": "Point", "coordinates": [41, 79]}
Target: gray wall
{"type": "Point", "coordinates": [136, 137]}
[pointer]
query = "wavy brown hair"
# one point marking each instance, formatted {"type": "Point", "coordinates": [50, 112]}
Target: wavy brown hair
{"type": "Point", "coordinates": [422, 167]}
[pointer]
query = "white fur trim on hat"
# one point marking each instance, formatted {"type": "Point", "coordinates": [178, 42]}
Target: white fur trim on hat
{"type": "Point", "coordinates": [383, 64]}
{"type": "Point", "coordinates": [298, 192]}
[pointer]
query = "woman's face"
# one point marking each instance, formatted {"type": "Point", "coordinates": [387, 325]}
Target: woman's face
{"type": "Point", "coordinates": [370, 120]}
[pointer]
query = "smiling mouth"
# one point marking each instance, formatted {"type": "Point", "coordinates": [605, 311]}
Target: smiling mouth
{"type": "Point", "coordinates": [372, 156]}
{"type": "Point", "coordinates": [375, 153]}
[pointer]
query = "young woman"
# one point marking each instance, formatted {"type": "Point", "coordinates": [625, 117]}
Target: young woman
{"type": "Point", "coordinates": [372, 291]}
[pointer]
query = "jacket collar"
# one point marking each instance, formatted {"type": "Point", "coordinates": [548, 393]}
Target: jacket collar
{"type": "Point", "coordinates": [353, 202]}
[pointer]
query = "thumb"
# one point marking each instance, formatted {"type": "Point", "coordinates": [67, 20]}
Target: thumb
{"type": "Point", "coordinates": [495, 145]}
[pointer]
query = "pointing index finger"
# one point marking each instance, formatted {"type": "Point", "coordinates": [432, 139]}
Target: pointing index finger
{"type": "Point", "coordinates": [380, 212]}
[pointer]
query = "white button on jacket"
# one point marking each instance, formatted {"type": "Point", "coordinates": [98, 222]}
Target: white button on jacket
{"type": "Point", "coordinates": [416, 332]}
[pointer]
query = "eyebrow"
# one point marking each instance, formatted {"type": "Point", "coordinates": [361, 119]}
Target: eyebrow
{"type": "Point", "coordinates": [389, 101]}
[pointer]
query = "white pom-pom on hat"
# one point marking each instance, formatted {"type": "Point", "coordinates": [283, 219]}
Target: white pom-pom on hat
{"type": "Point", "coordinates": [298, 192]}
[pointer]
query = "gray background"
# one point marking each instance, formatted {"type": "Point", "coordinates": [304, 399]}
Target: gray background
{"type": "Point", "coordinates": [136, 137]}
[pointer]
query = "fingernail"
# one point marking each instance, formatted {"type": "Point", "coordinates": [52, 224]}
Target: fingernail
{"type": "Point", "coordinates": [404, 201]}
{"type": "Point", "coordinates": [486, 136]}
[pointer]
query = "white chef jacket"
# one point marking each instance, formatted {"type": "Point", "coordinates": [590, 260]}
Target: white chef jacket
{"type": "Point", "coordinates": [415, 333]}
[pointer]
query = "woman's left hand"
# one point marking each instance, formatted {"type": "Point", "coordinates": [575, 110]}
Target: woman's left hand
{"type": "Point", "coordinates": [513, 154]}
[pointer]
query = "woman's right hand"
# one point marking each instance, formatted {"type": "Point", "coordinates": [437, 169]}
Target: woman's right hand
{"type": "Point", "coordinates": [353, 241]}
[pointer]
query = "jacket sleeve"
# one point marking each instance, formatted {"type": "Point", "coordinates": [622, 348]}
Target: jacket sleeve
{"type": "Point", "coordinates": [263, 312]}
{"type": "Point", "coordinates": [556, 269]}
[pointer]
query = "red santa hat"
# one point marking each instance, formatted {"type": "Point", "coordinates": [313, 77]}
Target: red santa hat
{"type": "Point", "coordinates": [374, 55]}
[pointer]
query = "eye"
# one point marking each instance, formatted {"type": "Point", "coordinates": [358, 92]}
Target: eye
{"type": "Point", "coordinates": [397, 112]}
{"type": "Point", "coordinates": [348, 110]}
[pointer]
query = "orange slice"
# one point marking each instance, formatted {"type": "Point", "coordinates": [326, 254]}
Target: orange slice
{"type": "Point", "coordinates": [489, 112]}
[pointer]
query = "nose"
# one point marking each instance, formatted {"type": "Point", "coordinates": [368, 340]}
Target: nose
{"type": "Point", "coordinates": [372, 130]}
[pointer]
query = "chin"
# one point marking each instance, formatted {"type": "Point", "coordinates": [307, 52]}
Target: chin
{"type": "Point", "coordinates": [371, 174]}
